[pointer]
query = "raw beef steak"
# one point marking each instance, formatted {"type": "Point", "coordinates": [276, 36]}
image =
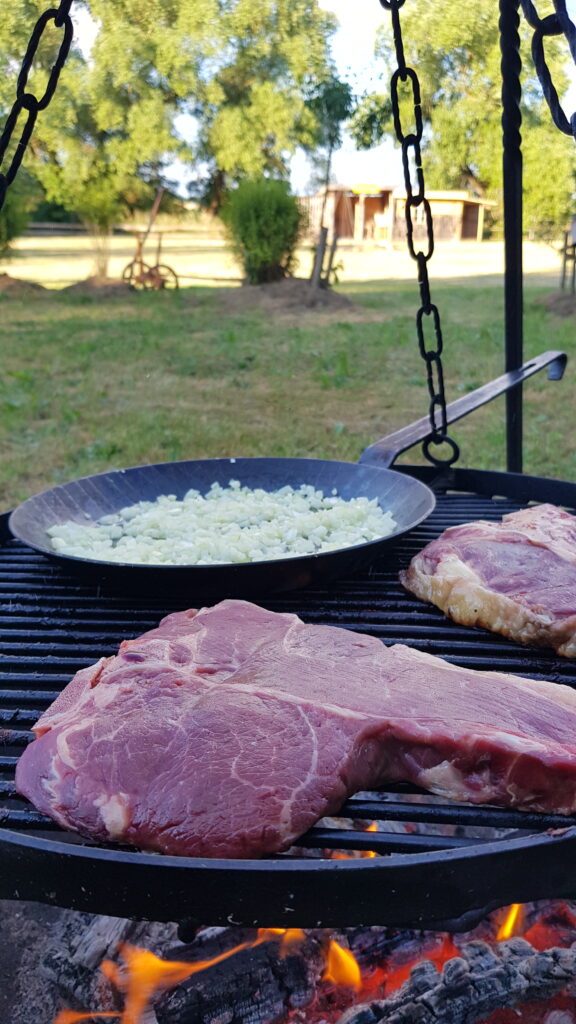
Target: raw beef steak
{"type": "Point", "coordinates": [517, 577]}
{"type": "Point", "coordinates": [229, 732]}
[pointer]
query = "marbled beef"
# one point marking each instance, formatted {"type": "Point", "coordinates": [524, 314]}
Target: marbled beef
{"type": "Point", "coordinates": [516, 577]}
{"type": "Point", "coordinates": [229, 732]}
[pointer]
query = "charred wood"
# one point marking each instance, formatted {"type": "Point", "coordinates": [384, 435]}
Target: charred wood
{"type": "Point", "coordinates": [474, 985]}
{"type": "Point", "coordinates": [260, 984]}
{"type": "Point", "coordinates": [254, 985]}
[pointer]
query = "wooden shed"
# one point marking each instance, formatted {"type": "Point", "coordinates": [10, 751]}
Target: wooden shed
{"type": "Point", "coordinates": [374, 213]}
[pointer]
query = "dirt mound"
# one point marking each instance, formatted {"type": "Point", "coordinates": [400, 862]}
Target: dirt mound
{"type": "Point", "coordinates": [14, 286]}
{"type": "Point", "coordinates": [99, 287]}
{"type": "Point", "coordinates": [293, 293]}
{"type": "Point", "coordinates": [559, 303]}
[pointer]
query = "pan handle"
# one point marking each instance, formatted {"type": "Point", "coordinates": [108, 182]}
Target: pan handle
{"type": "Point", "coordinates": [385, 451]}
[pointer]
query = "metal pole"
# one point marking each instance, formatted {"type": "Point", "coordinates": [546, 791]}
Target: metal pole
{"type": "Point", "coordinates": [512, 184]}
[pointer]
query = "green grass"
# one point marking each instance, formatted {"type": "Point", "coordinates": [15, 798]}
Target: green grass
{"type": "Point", "coordinates": [89, 385]}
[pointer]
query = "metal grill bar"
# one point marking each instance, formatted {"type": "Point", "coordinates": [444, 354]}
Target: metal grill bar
{"type": "Point", "coordinates": [52, 624]}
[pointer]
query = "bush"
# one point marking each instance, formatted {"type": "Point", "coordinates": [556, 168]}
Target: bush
{"type": "Point", "coordinates": [21, 198]}
{"type": "Point", "coordinates": [264, 223]}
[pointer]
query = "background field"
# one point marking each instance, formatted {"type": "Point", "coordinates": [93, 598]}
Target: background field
{"type": "Point", "coordinates": [97, 380]}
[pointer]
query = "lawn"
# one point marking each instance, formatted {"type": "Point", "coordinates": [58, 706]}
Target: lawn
{"type": "Point", "coordinates": [89, 385]}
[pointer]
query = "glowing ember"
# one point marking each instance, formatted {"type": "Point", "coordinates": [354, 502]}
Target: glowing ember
{"type": "Point", "coordinates": [341, 967]}
{"type": "Point", "coordinates": [371, 828]}
{"type": "Point", "coordinates": [438, 954]}
{"type": "Point", "coordinates": [339, 855]}
{"type": "Point", "coordinates": [512, 924]}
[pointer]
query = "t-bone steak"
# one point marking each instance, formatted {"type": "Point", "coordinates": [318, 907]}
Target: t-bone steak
{"type": "Point", "coordinates": [516, 577]}
{"type": "Point", "coordinates": [230, 731]}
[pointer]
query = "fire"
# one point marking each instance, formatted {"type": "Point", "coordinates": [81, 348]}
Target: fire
{"type": "Point", "coordinates": [290, 938]}
{"type": "Point", "coordinates": [512, 923]}
{"type": "Point", "coordinates": [373, 827]}
{"type": "Point", "coordinates": [337, 855]}
{"type": "Point", "coordinates": [342, 967]}
{"type": "Point", "coordinates": [143, 974]}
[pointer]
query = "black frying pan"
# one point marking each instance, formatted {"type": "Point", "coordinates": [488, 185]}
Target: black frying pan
{"type": "Point", "coordinates": [409, 500]}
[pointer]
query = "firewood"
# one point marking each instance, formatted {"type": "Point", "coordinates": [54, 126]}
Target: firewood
{"type": "Point", "coordinates": [483, 979]}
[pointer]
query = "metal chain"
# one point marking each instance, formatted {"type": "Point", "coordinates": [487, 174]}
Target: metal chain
{"type": "Point", "coordinates": [555, 24]}
{"type": "Point", "coordinates": [428, 314]}
{"type": "Point", "coordinates": [27, 101]}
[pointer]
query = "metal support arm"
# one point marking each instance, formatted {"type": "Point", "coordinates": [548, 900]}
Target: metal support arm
{"type": "Point", "coordinates": [385, 451]}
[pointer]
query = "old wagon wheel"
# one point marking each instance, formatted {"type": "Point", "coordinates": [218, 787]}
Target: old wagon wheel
{"type": "Point", "coordinates": [138, 275]}
{"type": "Point", "coordinates": [165, 276]}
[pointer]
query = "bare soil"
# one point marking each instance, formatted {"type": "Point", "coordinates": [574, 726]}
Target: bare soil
{"type": "Point", "coordinates": [559, 303]}
{"type": "Point", "coordinates": [102, 287]}
{"type": "Point", "coordinates": [290, 295]}
{"type": "Point", "coordinates": [13, 286]}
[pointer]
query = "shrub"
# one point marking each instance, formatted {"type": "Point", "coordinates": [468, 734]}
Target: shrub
{"type": "Point", "coordinates": [21, 198]}
{"type": "Point", "coordinates": [264, 222]}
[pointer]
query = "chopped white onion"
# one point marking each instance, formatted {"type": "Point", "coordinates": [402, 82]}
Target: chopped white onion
{"type": "Point", "coordinates": [228, 524]}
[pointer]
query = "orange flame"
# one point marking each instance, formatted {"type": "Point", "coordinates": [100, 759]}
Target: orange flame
{"type": "Point", "coordinates": [337, 855]}
{"type": "Point", "coordinates": [342, 967]}
{"type": "Point", "coordinates": [147, 974]}
{"type": "Point", "coordinates": [512, 923]}
{"type": "Point", "coordinates": [373, 827]}
{"type": "Point", "coordinates": [290, 938]}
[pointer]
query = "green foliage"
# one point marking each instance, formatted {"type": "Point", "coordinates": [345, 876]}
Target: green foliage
{"type": "Point", "coordinates": [264, 223]}
{"type": "Point", "coordinates": [371, 120]}
{"type": "Point", "coordinates": [53, 213]}
{"type": "Point", "coordinates": [455, 50]}
{"type": "Point", "coordinates": [20, 200]}
{"type": "Point", "coordinates": [330, 101]}
{"type": "Point", "coordinates": [100, 148]}
{"type": "Point", "coordinates": [265, 60]}
{"type": "Point", "coordinates": [243, 69]}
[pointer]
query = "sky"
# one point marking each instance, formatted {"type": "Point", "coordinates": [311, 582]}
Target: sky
{"type": "Point", "coordinates": [353, 49]}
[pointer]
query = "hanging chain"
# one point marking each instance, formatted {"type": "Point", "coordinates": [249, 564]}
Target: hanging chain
{"type": "Point", "coordinates": [27, 101]}
{"type": "Point", "coordinates": [428, 316]}
{"type": "Point", "coordinates": [555, 24]}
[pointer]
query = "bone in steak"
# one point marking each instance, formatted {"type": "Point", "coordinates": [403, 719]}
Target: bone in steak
{"type": "Point", "coordinates": [516, 577]}
{"type": "Point", "coordinates": [229, 732]}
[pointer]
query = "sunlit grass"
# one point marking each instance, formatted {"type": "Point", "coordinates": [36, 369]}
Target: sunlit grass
{"type": "Point", "coordinates": [89, 385]}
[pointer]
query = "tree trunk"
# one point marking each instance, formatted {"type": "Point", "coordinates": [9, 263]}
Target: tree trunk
{"type": "Point", "coordinates": [316, 279]}
{"type": "Point", "coordinates": [100, 238]}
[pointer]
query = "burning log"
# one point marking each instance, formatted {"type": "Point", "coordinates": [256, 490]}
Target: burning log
{"type": "Point", "coordinates": [473, 985]}
{"type": "Point", "coordinates": [260, 981]}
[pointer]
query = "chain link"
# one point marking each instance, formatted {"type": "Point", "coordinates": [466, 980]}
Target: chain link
{"type": "Point", "coordinates": [27, 101]}
{"type": "Point", "coordinates": [415, 199]}
{"type": "Point", "coordinates": [555, 24]}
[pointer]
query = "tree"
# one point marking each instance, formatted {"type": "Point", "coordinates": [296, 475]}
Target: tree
{"type": "Point", "coordinates": [251, 100]}
{"type": "Point", "coordinates": [455, 50]}
{"type": "Point", "coordinates": [331, 103]}
{"type": "Point", "coordinates": [101, 147]}
{"type": "Point", "coordinates": [242, 68]}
